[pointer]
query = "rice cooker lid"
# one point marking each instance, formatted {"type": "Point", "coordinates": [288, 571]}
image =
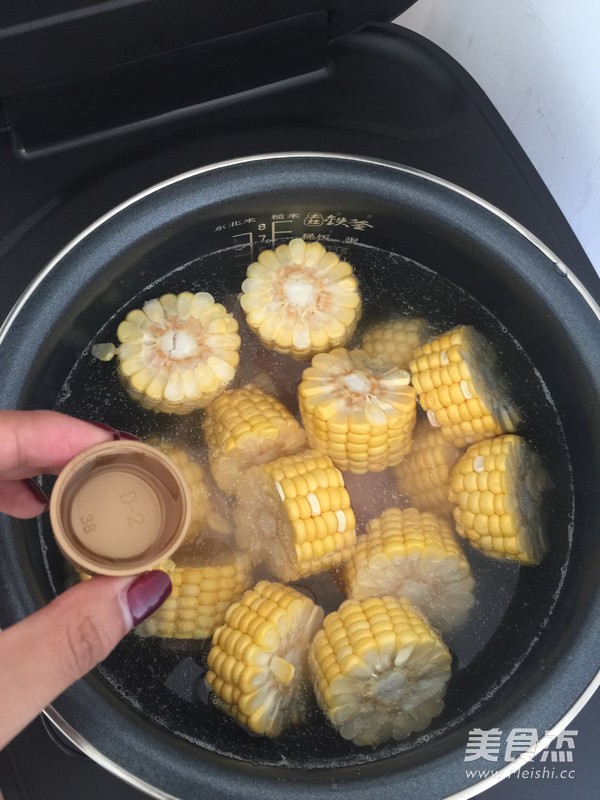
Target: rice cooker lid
{"type": "Point", "coordinates": [73, 69]}
{"type": "Point", "coordinates": [63, 42]}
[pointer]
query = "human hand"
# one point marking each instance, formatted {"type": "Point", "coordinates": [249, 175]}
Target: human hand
{"type": "Point", "coordinates": [42, 655]}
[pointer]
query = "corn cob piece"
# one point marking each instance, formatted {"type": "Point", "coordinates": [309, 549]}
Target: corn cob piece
{"type": "Point", "coordinates": [205, 584]}
{"type": "Point", "coordinates": [358, 410]}
{"type": "Point", "coordinates": [300, 299]}
{"type": "Point", "coordinates": [379, 670]}
{"type": "Point", "coordinates": [177, 352]}
{"type": "Point", "coordinates": [497, 488]}
{"type": "Point", "coordinates": [424, 475]}
{"type": "Point", "coordinates": [294, 516]}
{"type": "Point", "coordinates": [246, 427]}
{"type": "Point", "coordinates": [458, 388]}
{"type": "Point", "coordinates": [394, 340]}
{"type": "Point", "coordinates": [415, 555]}
{"type": "Point", "coordinates": [204, 516]}
{"type": "Point", "coordinates": [258, 661]}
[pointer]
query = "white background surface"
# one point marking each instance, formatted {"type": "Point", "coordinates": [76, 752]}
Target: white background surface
{"type": "Point", "coordinates": [539, 63]}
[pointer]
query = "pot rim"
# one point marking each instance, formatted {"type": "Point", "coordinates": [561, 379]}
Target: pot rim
{"type": "Point", "coordinates": [558, 264]}
{"type": "Point", "coordinates": [52, 714]}
{"type": "Point", "coordinates": [464, 794]}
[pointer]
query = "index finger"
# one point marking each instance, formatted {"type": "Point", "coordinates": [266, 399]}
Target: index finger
{"type": "Point", "coordinates": [34, 442]}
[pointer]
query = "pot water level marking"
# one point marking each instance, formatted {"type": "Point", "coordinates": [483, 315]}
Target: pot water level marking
{"type": "Point", "coordinates": [251, 234]}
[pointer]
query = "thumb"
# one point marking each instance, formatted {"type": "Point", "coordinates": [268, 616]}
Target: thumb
{"type": "Point", "coordinates": [42, 655]}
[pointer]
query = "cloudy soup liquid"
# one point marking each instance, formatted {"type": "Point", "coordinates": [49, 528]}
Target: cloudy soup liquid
{"type": "Point", "coordinates": [162, 678]}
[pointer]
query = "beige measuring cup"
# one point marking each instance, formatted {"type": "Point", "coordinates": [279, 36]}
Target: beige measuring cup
{"type": "Point", "coordinates": [119, 508]}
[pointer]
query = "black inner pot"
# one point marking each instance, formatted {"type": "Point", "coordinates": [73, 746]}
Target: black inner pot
{"type": "Point", "coordinates": [531, 647]}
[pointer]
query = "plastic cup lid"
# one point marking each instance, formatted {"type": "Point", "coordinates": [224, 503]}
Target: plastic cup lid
{"type": "Point", "coordinates": [119, 508]}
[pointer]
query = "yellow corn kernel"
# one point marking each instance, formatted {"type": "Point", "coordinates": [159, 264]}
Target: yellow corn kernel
{"type": "Point", "coordinates": [414, 555]}
{"type": "Point", "coordinates": [205, 583]}
{"type": "Point", "coordinates": [257, 665]}
{"type": "Point", "coordinates": [247, 427]}
{"type": "Point", "coordinates": [394, 340]}
{"type": "Point", "coordinates": [293, 515]}
{"type": "Point", "coordinates": [358, 410]}
{"type": "Point", "coordinates": [458, 389]}
{"type": "Point", "coordinates": [424, 474]}
{"type": "Point", "coordinates": [300, 299]}
{"type": "Point", "coordinates": [379, 670]}
{"type": "Point", "coordinates": [497, 488]}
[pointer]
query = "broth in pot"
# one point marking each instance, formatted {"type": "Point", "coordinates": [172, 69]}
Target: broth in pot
{"type": "Point", "coordinates": [164, 678]}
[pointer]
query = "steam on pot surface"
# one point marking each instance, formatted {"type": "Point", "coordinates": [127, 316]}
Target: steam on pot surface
{"type": "Point", "coordinates": [379, 473]}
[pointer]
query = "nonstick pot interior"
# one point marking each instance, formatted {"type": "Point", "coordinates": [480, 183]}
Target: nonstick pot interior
{"type": "Point", "coordinates": [534, 651]}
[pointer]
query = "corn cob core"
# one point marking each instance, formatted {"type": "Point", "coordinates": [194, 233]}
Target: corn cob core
{"type": "Point", "coordinates": [294, 516]}
{"type": "Point", "coordinates": [458, 388]}
{"type": "Point", "coordinates": [257, 663]}
{"type": "Point", "coordinates": [358, 410]}
{"type": "Point", "coordinates": [424, 475]}
{"type": "Point", "coordinates": [379, 670]}
{"type": "Point", "coordinates": [247, 427]}
{"type": "Point", "coordinates": [394, 340]}
{"type": "Point", "coordinates": [413, 555]}
{"type": "Point", "coordinates": [497, 487]}
{"type": "Point", "coordinates": [203, 515]}
{"type": "Point", "coordinates": [300, 299]}
{"type": "Point", "coordinates": [177, 352]}
{"type": "Point", "coordinates": [205, 584]}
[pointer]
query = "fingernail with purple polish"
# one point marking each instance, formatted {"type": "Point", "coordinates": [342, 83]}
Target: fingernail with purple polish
{"type": "Point", "coordinates": [36, 490]}
{"type": "Point", "coordinates": [116, 434]}
{"type": "Point", "coordinates": [147, 593]}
